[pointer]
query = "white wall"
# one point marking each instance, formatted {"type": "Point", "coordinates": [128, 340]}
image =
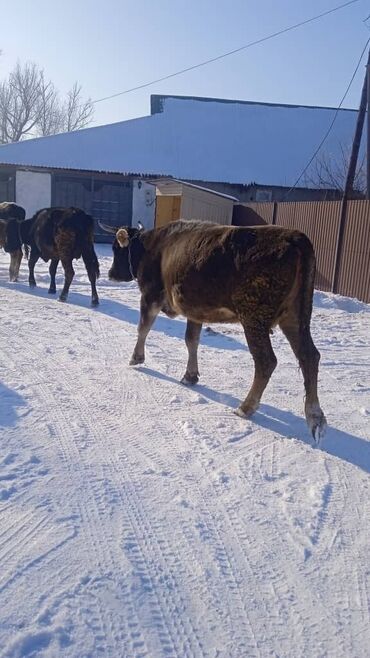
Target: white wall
{"type": "Point", "coordinates": [143, 204]}
{"type": "Point", "coordinates": [32, 191]}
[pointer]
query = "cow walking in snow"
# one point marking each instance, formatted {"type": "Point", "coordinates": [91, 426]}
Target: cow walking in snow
{"type": "Point", "coordinates": [11, 211]}
{"type": "Point", "coordinates": [258, 276]}
{"type": "Point", "coordinates": [58, 234]}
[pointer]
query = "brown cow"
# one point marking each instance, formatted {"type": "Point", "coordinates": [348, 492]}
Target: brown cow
{"type": "Point", "coordinates": [259, 276]}
{"type": "Point", "coordinates": [11, 211]}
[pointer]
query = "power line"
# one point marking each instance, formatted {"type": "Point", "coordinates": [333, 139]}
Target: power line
{"type": "Point", "coordinates": [332, 123]}
{"type": "Point", "coordinates": [231, 52]}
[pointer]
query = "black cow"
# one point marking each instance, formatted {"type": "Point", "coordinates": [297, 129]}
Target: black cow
{"type": "Point", "coordinates": [9, 211]}
{"type": "Point", "coordinates": [259, 276]}
{"type": "Point", "coordinates": [60, 234]}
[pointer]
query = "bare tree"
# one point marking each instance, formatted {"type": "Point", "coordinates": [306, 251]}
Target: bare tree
{"type": "Point", "coordinates": [49, 120]}
{"type": "Point", "coordinates": [328, 172]}
{"type": "Point", "coordinates": [76, 114]}
{"type": "Point", "coordinates": [30, 105]}
{"type": "Point", "coordinates": [19, 97]}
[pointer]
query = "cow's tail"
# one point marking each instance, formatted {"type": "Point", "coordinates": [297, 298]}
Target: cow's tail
{"type": "Point", "coordinates": [307, 271]}
{"type": "Point", "coordinates": [86, 236]}
{"type": "Point", "coordinates": [95, 263]}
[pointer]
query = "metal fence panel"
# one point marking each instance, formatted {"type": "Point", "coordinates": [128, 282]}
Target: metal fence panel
{"type": "Point", "coordinates": [253, 214]}
{"type": "Point", "coordinates": [320, 221]}
{"type": "Point", "coordinates": [354, 269]}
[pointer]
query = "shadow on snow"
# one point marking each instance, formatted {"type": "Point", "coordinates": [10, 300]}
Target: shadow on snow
{"type": "Point", "coordinates": [10, 401]}
{"type": "Point", "coordinates": [119, 311]}
{"type": "Point", "coordinates": [347, 447]}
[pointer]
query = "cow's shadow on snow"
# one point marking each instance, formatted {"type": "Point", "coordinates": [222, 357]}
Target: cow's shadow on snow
{"type": "Point", "coordinates": [348, 447]}
{"type": "Point", "coordinates": [10, 403]}
{"type": "Point", "coordinates": [120, 311]}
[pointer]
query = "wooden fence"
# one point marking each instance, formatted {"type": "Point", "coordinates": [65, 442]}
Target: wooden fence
{"type": "Point", "coordinates": [320, 220]}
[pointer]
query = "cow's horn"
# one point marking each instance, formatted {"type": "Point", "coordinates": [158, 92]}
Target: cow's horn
{"type": "Point", "coordinates": [122, 237]}
{"type": "Point", "coordinates": [108, 229]}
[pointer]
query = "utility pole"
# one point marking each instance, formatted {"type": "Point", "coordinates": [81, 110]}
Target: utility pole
{"type": "Point", "coordinates": [348, 188]}
{"type": "Point", "coordinates": [368, 130]}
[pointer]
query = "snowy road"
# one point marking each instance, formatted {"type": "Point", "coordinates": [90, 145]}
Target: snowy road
{"type": "Point", "coordinates": [140, 518]}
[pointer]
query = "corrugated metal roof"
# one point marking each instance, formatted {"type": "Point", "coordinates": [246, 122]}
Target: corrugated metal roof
{"type": "Point", "coordinates": [231, 142]}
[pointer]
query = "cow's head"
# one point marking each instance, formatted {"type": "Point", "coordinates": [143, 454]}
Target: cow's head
{"type": "Point", "coordinates": [127, 251]}
{"type": "Point", "coordinates": [11, 241]}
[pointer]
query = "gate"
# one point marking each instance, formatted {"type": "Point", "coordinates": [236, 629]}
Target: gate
{"type": "Point", "coordinates": [109, 201]}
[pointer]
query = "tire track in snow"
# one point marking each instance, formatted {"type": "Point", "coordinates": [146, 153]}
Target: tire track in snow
{"type": "Point", "coordinates": [176, 636]}
{"type": "Point", "coordinates": [148, 394]}
{"type": "Point", "coordinates": [274, 576]}
{"type": "Point", "coordinates": [113, 636]}
{"type": "Point", "coordinates": [67, 439]}
{"type": "Point", "coordinates": [61, 430]}
{"type": "Point", "coordinates": [304, 575]}
{"type": "Point", "coordinates": [241, 624]}
{"type": "Point", "coordinates": [288, 577]}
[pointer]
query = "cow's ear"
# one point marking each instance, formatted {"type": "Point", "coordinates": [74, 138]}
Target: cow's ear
{"type": "Point", "coordinates": [122, 237]}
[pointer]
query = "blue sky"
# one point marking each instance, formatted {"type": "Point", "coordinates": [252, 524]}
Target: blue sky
{"type": "Point", "coordinates": [113, 45]}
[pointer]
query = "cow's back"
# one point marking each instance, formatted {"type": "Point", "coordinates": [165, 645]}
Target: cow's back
{"type": "Point", "coordinates": [208, 267]}
{"type": "Point", "coordinates": [59, 230]}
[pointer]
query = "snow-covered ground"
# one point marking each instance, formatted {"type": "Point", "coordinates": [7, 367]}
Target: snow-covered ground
{"type": "Point", "coordinates": [140, 518]}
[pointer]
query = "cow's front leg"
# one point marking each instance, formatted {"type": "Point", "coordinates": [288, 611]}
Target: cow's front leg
{"type": "Point", "coordinates": [52, 271]}
{"type": "Point", "coordinates": [192, 336]}
{"type": "Point", "coordinates": [148, 313]}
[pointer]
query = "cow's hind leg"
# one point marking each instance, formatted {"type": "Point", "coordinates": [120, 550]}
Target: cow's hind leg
{"type": "Point", "coordinates": [308, 356]}
{"type": "Point", "coordinates": [15, 263]}
{"type": "Point", "coordinates": [265, 361]}
{"type": "Point", "coordinates": [148, 313]}
{"type": "Point", "coordinates": [52, 271]}
{"type": "Point", "coordinates": [68, 278]}
{"type": "Point", "coordinates": [34, 256]}
{"type": "Point", "coordinates": [192, 335]}
{"type": "Point", "coordinates": [92, 268]}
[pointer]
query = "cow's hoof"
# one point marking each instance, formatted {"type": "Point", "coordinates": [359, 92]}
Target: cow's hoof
{"type": "Point", "coordinates": [246, 412]}
{"type": "Point", "coordinates": [190, 380]}
{"type": "Point", "coordinates": [317, 425]}
{"type": "Point", "coordinates": [62, 299]}
{"type": "Point", "coordinates": [136, 360]}
{"type": "Point", "coordinates": [51, 291]}
{"type": "Point", "coordinates": [239, 412]}
{"type": "Point", "coordinates": [94, 302]}
{"type": "Point", "coordinates": [32, 284]}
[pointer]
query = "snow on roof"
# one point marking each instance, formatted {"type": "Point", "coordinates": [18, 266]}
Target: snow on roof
{"type": "Point", "coordinates": [170, 185]}
{"type": "Point", "coordinates": [197, 139]}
